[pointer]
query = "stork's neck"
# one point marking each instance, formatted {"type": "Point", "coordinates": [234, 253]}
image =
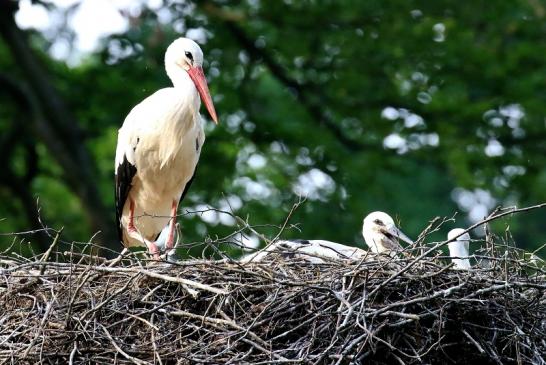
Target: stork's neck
{"type": "Point", "coordinates": [457, 249]}
{"type": "Point", "coordinates": [182, 116]}
{"type": "Point", "coordinates": [184, 84]}
{"type": "Point", "coordinates": [179, 77]}
{"type": "Point", "coordinates": [370, 238]}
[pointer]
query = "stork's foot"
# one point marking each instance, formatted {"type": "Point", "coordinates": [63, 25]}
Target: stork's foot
{"type": "Point", "coordinates": [170, 248]}
{"type": "Point", "coordinates": [153, 250]}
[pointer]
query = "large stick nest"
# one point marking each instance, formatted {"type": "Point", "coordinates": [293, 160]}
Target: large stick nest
{"type": "Point", "coordinates": [380, 310]}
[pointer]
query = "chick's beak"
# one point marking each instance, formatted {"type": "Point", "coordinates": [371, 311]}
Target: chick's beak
{"type": "Point", "coordinates": [399, 234]}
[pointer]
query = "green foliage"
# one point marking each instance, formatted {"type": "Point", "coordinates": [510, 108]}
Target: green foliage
{"type": "Point", "coordinates": [305, 86]}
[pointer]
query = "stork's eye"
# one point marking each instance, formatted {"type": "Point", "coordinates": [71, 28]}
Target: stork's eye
{"type": "Point", "coordinates": [189, 55]}
{"type": "Point", "coordinates": [378, 222]}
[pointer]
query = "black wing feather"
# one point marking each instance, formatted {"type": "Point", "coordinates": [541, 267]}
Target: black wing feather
{"type": "Point", "coordinates": [124, 178]}
{"type": "Point", "coordinates": [187, 187]}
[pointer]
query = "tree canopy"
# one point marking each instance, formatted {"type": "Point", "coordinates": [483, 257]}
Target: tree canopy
{"type": "Point", "coordinates": [417, 108]}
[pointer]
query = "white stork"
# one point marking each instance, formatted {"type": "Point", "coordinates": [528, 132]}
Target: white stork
{"type": "Point", "coordinates": [381, 234]}
{"type": "Point", "coordinates": [458, 248]}
{"type": "Point", "coordinates": [379, 231]}
{"type": "Point", "coordinates": [158, 149]}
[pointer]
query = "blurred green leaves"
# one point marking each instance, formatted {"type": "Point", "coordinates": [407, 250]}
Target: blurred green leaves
{"type": "Point", "coordinates": [396, 103]}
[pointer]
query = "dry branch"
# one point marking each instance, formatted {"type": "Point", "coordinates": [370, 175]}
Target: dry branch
{"type": "Point", "coordinates": [71, 307]}
{"type": "Point", "coordinates": [276, 311]}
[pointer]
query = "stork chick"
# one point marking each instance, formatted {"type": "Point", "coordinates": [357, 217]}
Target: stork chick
{"type": "Point", "coordinates": [313, 251]}
{"type": "Point", "coordinates": [458, 249]}
{"type": "Point", "coordinates": [381, 234]}
{"type": "Point", "coordinates": [158, 149]}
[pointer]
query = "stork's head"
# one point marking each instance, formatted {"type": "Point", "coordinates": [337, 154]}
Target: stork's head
{"type": "Point", "coordinates": [184, 57]}
{"type": "Point", "coordinates": [459, 247]}
{"type": "Point", "coordinates": [380, 232]}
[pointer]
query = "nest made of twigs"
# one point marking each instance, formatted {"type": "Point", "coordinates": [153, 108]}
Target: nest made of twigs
{"type": "Point", "coordinates": [380, 310]}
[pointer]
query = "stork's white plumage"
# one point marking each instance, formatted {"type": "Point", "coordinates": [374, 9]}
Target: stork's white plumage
{"type": "Point", "coordinates": [158, 149]}
{"type": "Point", "coordinates": [381, 234]}
{"type": "Point", "coordinates": [314, 251]}
{"type": "Point", "coordinates": [458, 249]}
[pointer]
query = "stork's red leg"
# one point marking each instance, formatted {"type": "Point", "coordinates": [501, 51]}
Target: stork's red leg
{"type": "Point", "coordinates": [170, 239]}
{"type": "Point", "coordinates": [131, 229]}
{"type": "Point", "coordinates": [131, 225]}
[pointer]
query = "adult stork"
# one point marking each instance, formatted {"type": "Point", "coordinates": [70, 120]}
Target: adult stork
{"type": "Point", "coordinates": [381, 234]}
{"type": "Point", "coordinates": [458, 248]}
{"type": "Point", "coordinates": [158, 149]}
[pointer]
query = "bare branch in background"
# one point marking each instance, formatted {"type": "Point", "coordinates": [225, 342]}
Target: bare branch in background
{"type": "Point", "coordinates": [309, 97]}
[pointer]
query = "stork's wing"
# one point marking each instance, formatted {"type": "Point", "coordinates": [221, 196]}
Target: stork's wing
{"type": "Point", "coordinates": [187, 187]}
{"type": "Point", "coordinates": [313, 251]}
{"type": "Point", "coordinates": [125, 172]}
{"type": "Point", "coordinates": [198, 144]}
{"type": "Point", "coordinates": [125, 169]}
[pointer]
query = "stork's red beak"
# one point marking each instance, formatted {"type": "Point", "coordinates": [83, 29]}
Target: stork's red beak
{"type": "Point", "coordinates": [198, 78]}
